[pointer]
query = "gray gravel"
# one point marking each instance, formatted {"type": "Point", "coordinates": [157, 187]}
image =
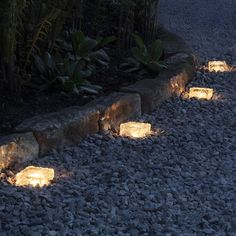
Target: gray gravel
{"type": "Point", "coordinates": [208, 26]}
{"type": "Point", "coordinates": [181, 182]}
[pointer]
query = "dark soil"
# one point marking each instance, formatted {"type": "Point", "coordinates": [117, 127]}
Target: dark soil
{"type": "Point", "coordinates": [34, 103]}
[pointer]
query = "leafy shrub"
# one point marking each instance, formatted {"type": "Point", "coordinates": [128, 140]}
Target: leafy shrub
{"type": "Point", "coordinates": [67, 75]}
{"type": "Point", "coordinates": [73, 72]}
{"type": "Point", "coordinates": [145, 58]}
{"type": "Point", "coordinates": [90, 51]}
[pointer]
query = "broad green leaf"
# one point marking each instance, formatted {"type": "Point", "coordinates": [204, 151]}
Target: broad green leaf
{"type": "Point", "coordinates": [133, 69]}
{"type": "Point", "coordinates": [100, 54]}
{"type": "Point", "coordinates": [39, 64]}
{"type": "Point", "coordinates": [101, 62]}
{"type": "Point", "coordinates": [76, 90]}
{"type": "Point", "coordinates": [79, 81]}
{"type": "Point", "coordinates": [155, 51]}
{"type": "Point", "coordinates": [124, 65]}
{"type": "Point", "coordinates": [86, 47]}
{"type": "Point", "coordinates": [91, 68]}
{"type": "Point", "coordinates": [155, 66]}
{"type": "Point", "coordinates": [71, 68]}
{"type": "Point", "coordinates": [63, 79]}
{"type": "Point", "coordinates": [85, 74]}
{"type": "Point", "coordinates": [77, 38]}
{"type": "Point", "coordinates": [138, 55]}
{"type": "Point", "coordinates": [132, 61]}
{"type": "Point", "coordinates": [49, 61]}
{"type": "Point", "coordinates": [104, 41]}
{"type": "Point", "coordinates": [139, 41]}
{"type": "Point", "coordinates": [97, 87]}
{"type": "Point", "coordinates": [89, 89]}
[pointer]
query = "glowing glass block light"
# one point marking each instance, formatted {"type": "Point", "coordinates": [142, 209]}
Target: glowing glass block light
{"type": "Point", "coordinates": [135, 129]}
{"type": "Point", "coordinates": [201, 93]}
{"type": "Point", "coordinates": [218, 66]}
{"type": "Point", "coordinates": [34, 176]}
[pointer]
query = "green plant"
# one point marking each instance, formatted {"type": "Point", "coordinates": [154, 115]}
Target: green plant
{"type": "Point", "coordinates": [66, 75]}
{"type": "Point", "coordinates": [73, 73]}
{"type": "Point", "coordinates": [145, 58]}
{"type": "Point", "coordinates": [47, 70]}
{"type": "Point", "coordinates": [28, 27]}
{"type": "Point", "coordinates": [90, 51]}
{"type": "Point", "coordinates": [47, 18]}
{"type": "Point", "coordinates": [88, 54]}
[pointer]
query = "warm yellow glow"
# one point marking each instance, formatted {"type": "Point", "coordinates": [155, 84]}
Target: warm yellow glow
{"type": "Point", "coordinates": [218, 66]}
{"type": "Point", "coordinates": [135, 129]}
{"type": "Point", "coordinates": [34, 176]}
{"type": "Point", "coordinates": [201, 93]}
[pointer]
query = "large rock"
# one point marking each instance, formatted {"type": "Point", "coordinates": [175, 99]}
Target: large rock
{"type": "Point", "coordinates": [152, 91]}
{"type": "Point", "coordinates": [179, 75]}
{"type": "Point", "coordinates": [117, 108]}
{"type": "Point", "coordinates": [68, 127]}
{"type": "Point", "coordinates": [17, 148]}
{"type": "Point", "coordinates": [179, 58]}
{"type": "Point", "coordinates": [168, 83]}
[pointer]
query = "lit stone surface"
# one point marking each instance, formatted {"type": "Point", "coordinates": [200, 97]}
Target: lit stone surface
{"type": "Point", "coordinates": [201, 93]}
{"type": "Point", "coordinates": [34, 176]}
{"type": "Point", "coordinates": [17, 148]}
{"type": "Point", "coordinates": [218, 66]}
{"type": "Point", "coordinates": [135, 129]}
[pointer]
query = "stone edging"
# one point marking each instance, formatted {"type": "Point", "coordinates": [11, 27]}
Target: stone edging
{"type": "Point", "coordinates": [41, 135]}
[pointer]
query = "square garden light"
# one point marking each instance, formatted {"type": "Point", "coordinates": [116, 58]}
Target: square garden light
{"type": "Point", "coordinates": [135, 129]}
{"type": "Point", "coordinates": [218, 66]}
{"type": "Point", "coordinates": [34, 176]}
{"type": "Point", "coordinates": [201, 93]}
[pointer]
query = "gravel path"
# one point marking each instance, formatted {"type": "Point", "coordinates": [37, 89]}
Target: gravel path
{"type": "Point", "coordinates": [181, 182]}
{"type": "Point", "coordinates": [209, 26]}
